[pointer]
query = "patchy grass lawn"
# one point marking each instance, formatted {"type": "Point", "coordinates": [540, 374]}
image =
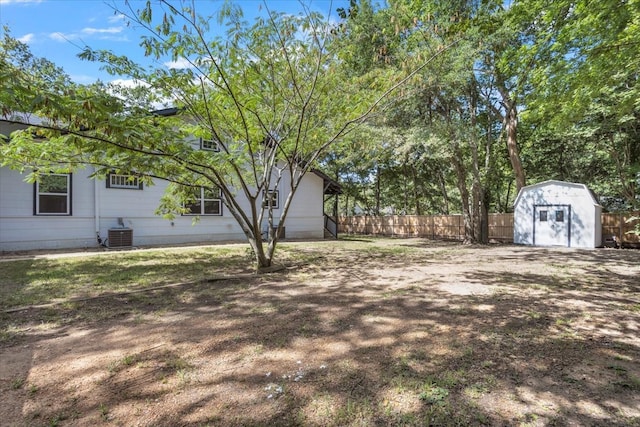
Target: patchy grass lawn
{"type": "Point", "coordinates": [355, 332]}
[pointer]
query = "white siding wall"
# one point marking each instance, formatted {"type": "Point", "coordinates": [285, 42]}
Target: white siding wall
{"type": "Point", "coordinates": [585, 212]}
{"type": "Point", "coordinates": [305, 219]}
{"type": "Point", "coordinates": [137, 210]}
{"type": "Point", "coordinates": [21, 230]}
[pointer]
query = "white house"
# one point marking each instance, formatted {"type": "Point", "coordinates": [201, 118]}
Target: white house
{"type": "Point", "coordinates": [556, 213]}
{"type": "Point", "coordinates": [74, 211]}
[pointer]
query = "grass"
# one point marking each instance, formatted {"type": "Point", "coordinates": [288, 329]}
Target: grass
{"type": "Point", "coordinates": [17, 383]}
{"type": "Point", "coordinates": [41, 281]}
{"type": "Point", "coordinates": [36, 281]}
{"type": "Point", "coordinates": [104, 412]}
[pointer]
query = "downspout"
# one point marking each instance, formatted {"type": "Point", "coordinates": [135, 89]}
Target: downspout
{"type": "Point", "coordinates": [96, 209]}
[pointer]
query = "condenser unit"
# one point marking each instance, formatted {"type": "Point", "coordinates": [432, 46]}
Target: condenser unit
{"type": "Point", "coordinates": [120, 237]}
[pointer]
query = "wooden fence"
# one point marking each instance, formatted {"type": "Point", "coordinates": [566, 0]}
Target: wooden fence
{"type": "Point", "coordinates": [451, 227]}
{"type": "Point", "coordinates": [615, 224]}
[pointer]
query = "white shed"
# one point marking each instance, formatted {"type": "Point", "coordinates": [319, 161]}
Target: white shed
{"type": "Point", "coordinates": [557, 213]}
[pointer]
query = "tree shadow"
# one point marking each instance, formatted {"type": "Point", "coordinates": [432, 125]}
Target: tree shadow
{"type": "Point", "coordinates": [350, 346]}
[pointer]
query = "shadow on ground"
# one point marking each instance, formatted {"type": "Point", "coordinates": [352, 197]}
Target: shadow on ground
{"type": "Point", "coordinates": [442, 335]}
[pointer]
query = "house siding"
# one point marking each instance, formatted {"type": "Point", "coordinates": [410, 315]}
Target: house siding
{"type": "Point", "coordinates": [95, 209]}
{"type": "Point", "coordinates": [21, 230]}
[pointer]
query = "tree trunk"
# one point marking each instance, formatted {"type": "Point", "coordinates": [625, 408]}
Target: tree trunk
{"type": "Point", "coordinates": [461, 176]}
{"type": "Point", "coordinates": [484, 218]}
{"type": "Point", "coordinates": [445, 195]}
{"type": "Point", "coordinates": [511, 124]}
{"type": "Point", "coordinates": [263, 262]}
{"type": "Point", "coordinates": [416, 190]}
{"type": "Point", "coordinates": [377, 191]}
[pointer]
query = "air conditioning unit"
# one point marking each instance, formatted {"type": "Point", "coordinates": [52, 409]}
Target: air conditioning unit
{"type": "Point", "coordinates": [120, 237]}
{"type": "Point", "coordinates": [265, 234]}
{"type": "Point", "coordinates": [282, 233]}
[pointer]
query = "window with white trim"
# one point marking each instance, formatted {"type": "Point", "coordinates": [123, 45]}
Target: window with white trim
{"type": "Point", "coordinates": [53, 194]}
{"type": "Point", "coordinates": [131, 182]}
{"type": "Point", "coordinates": [209, 144]}
{"type": "Point", "coordinates": [207, 201]}
{"type": "Point", "coordinates": [271, 199]}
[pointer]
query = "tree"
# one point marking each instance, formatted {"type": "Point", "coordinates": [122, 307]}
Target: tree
{"type": "Point", "coordinates": [586, 62]}
{"type": "Point", "coordinates": [266, 92]}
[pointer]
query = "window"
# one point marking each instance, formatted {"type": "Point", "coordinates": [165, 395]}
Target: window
{"type": "Point", "coordinates": [53, 195]}
{"type": "Point", "coordinates": [271, 199]}
{"type": "Point", "coordinates": [543, 216]}
{"type": "Point", "coordinates": [207, 202]}
{"type": "Point", "coordinates": [131, 182]}
{"type": "Point", "coordinates": [559, 216]}
{"type": "Point", "coordinates": [209, 144]}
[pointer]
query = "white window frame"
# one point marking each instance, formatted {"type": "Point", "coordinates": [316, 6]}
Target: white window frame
{"type": "Point", "coordinates": [203, 200]}
{"type": "Point", "coordinates": [207, 144]}
{"type": "Point", "coordinates": [38, 195]}
{"type": "Point", "coordinates": [272, 197]}
{"type": "Point", "coordinates": [123, 181]}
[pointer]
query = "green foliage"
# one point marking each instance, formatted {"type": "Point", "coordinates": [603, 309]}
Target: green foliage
{"type": "Point", "coordinates": [433, 394]}
{"type": "Point", "coordinates": [266, 91]}
{"type": "Point", "coordinates": [565, 70]}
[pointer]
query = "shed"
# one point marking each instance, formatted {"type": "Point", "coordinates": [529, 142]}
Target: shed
{"type": "Point", "coordinates": [557, 213]}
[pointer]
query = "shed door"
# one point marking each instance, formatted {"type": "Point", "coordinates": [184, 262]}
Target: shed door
{"type": "Point", "coordinates": [552, 225]}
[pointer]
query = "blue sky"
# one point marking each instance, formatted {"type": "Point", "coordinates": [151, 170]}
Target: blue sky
{"type": "Point", "coordinates": [58, 29]}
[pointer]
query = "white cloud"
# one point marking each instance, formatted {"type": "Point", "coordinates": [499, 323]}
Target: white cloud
{"type": "Point", "coordinates": [116, 18]}
{"type": "Point", "coordinates": [27, 38]}
{"type": "Point", "coordinates": [181, 63]}
{"type": "Point", "coordinates": [131, 83]}
{"type": "Point", "coordinates": [111, 33]}
{"type": "Point", "coordinates": [115, 39]}
{"type": "Point", "coordinates": [110, 30]}
{"type": "Point", "coordinates": [19, 1]}
{"type": "Point", "coordinates": [61, 37]}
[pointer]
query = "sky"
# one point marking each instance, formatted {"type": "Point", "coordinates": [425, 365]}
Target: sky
{"type": "Point", "coordinates": [59, 29]}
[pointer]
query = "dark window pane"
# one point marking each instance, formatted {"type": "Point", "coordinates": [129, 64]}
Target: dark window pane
{"type": "Point", "coordinates": [53, 204]}
{"type": "Point", "coordinates": [271, 199]}
{"type": "Point", "coordinates": [209, 144]}
{"type": "Point", "coordinates": [211, 194]}
{"type": "Point", "coordinates": [543, 216]}
{"type": "Point", "coordinates": [194, 208]}
{"type": "Point", "coordinates": [212, 207]}
{"type": "Point", "coordinates": [560, 216]}
{"type": "Point", "coordinates": [53, 184]}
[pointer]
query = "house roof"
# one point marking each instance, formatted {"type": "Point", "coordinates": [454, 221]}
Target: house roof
{"type": "Point", "coordinates": [166, 111]}
{"type": "Point", "coordinates": [550, 182]}
{"type": "Point", "coordinates": [331, 186]}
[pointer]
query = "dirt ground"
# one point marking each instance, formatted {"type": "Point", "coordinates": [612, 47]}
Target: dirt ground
{"type": "Point", "coordinates": [404, 332]}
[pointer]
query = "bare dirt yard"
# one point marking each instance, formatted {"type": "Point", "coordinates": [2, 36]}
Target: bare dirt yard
{"type": "Point", "coordinates": [371, 332]}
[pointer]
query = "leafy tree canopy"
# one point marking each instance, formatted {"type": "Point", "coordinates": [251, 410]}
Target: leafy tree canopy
{"type": "Point", "coordinates": [274, 93]}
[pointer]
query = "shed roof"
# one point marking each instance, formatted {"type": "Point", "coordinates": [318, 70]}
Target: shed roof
{"type": "Point", "coordinates": [587, 190]}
